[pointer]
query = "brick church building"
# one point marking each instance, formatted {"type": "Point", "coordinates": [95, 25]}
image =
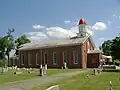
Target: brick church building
{"type": "Point", "coordinates": [77, 52]}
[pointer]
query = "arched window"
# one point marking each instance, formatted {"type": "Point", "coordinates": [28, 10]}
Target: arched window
{"type": "Point", "coordinates": [29, 58]}
{"type": "Point", "coordinates": [54, 58]}
{"type": "Point", "coordinates": [45, 58]}
{"type": "Point", "coordinates": [65, 56]}
{"type": "Point", "coordinates": [75, 57]}
{"type": "Point", "coordinates": [37, 58]}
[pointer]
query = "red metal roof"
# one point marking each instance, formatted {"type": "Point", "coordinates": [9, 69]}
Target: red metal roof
{"type": "Point", "coordinates": [82, 21]}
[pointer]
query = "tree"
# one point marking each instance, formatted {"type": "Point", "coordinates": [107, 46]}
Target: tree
{"type": "Point", "coordinates": [115, 48]}
{"type": "Point", "coordinates": [10, 42]}
{"type": "Point", "coordinates": [106, 47]}
{"type": "Point", "coordinates": [19, 41]}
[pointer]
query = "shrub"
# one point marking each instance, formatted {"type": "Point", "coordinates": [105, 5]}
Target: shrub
{"type": "Point", "coordinates": [3, 62]}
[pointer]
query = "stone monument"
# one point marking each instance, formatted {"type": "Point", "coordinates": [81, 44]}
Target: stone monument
{"type": "Point", "coordinates": [110, 85]}
{"type": "Point", "coordinates": [56, 87]}
{"type": "Point", "coordinates": [41, 70]}
{"type": "Point", "coordinates": [45, 69]}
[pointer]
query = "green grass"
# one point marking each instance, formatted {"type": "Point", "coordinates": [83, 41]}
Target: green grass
{"type": "Point", "coordinates": [10, 76]}
{"type": "Point", "coordinates": [57, 71]}
{"type": "Point", "coordinates": [81, 82]}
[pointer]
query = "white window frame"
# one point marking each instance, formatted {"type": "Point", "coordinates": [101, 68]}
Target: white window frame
{"type": "Point", "coordinates": [29, 58]}
{"type": "Point", "coordinates": [37, 60]}
{"type": "Point", "coordinates": [54, 58]}
{"type": "Point", "coordinates": [75, 57]}
{"type": "Point", "coordinates": [22, 59]}
{"type": "Point", "coordinates": [44, 57]}
{"type": "Point", "coordinates": [63, 54]}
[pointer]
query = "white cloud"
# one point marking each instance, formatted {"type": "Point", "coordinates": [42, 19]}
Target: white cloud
{"type": "Point", "coordinates": [101, 38]}
{"type": "Point", "coordinates": [58, 32]}
{"type": "Point", "coordinates": [67, 21]}
{"type": "Point", "coordinates": [99, 26]}
{"type": "Point", "coordinates": [109, 23]}
{"type": "Point", "coordinates": [116, 16]}
{"type": "Point", "coordinates": [113, 15]}
{"type": "Point", "coordinates": [38, 27]}
{"type": "Point", "coordinates": [36, 36]}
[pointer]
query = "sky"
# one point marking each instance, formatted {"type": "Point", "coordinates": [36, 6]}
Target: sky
{"type": "Point", "coordinates": [44, 20]}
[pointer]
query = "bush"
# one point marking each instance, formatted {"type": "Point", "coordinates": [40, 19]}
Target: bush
{"type": "Point", "coordinates": [3, 62]}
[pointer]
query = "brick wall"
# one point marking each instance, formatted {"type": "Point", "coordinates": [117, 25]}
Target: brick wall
{"type": "Point", "coordinates": [49, 51]}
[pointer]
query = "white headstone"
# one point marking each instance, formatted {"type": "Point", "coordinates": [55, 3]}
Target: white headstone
{"type": "Point", "coordinates": [110, 85]}
{"type": "Point", "coordinates": [65, 65]}
{"type": "Point", "coordinates": [56, 87]}
{"type": "Point", "coordinates": [45, 66]}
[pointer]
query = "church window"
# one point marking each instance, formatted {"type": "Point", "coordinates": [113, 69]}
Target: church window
{"type": "Point", "coordinates": [75, 57]}
{"type": "Point", "coordinates": [29, 58]}
{"type": "Point", "coordinates": [54, 58]}
{"type": "Point", "coordinates": [65, 56]}
{"type": "Point", "coordinates": [45, 58]}
{"type": "Point", "coordinates": [37, 58]}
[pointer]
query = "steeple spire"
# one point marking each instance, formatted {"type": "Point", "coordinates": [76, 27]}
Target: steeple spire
{"type": "Point", "coordinates": [82, 28]}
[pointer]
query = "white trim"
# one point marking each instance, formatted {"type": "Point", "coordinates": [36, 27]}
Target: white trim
{"type": "Point", "coordinates": [29, 58]}
{"type": "Point", "coordinates": [53, 58]}
{"type": "Point", "coordinates": [37, 60]}
{"type": "Point", "coordinates": [22, 59]}
{"type": "Point", "coordinates": [44, 57]}
{"type": "Point", "coordinates": [74, 57]}
{"type": "Point", "coordinates": [63, 55]}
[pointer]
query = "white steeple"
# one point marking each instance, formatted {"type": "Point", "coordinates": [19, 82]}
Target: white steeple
{"type": "Point", "coordinates": [82, 28]}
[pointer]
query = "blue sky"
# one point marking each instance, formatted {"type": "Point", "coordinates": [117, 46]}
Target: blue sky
{"type": "Point", "coordinates": [48, 19]}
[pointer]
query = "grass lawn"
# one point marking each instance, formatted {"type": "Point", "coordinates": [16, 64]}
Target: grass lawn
{"type": "Point", "coordinates": [10, 76]}
{"type": "Point", "coordinates": [81, 82]}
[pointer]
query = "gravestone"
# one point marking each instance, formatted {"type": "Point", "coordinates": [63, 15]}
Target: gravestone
{"type": "Point", "coordinates": [45, 69]}
{"type": "Point", "coordinates": [10, 68]}
{"type": "Point", "coordinates": [17, 72]}
{"type": "Point", "coordinates": [94, 71]}
{"type": "Point", "coordinates": [110, 85]}
{"type": "Point", "coordinates": [56, 87]}
{"type": "Point", "coordinates": [41, 70]}
{"type": "Point", "coordinates": [17, 69]}
{"type": "Point", "coordinates": [29, 71]}
{"type": "Point", "coordinates": [65, 65]}
{"type": "Point", "coordinates": [3, 70]}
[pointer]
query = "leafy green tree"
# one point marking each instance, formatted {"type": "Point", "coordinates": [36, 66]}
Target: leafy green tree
{"type": "Point", "coordinates": [6, 44]}
{"type": "Point", "coordinates": [10, 42]}
{"type": "Point", "coordinates": [19, 41]}
{"type": "Point", "coordinates": [115, 48]}
{"type": "Point", "coordinates": [106, 47]}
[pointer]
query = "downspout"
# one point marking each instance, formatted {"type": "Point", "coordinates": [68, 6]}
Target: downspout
{"type": "Point", "coordinates": [41, 57]}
